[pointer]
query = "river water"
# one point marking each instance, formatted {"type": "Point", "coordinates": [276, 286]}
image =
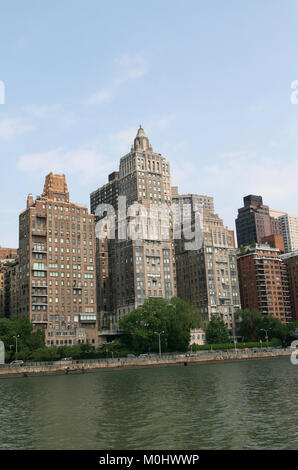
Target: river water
{"type": "Point", "coordinates": [238, 405]}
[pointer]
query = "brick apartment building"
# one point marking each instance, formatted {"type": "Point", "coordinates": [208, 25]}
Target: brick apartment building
{"type": "Point", "coordinates": [263, 281]}
{"type": "Point", "coordinates": [57, 273]}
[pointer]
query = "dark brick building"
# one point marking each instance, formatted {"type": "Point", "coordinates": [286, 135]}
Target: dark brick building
{"type": "Point", "coordinates": [254, 221]}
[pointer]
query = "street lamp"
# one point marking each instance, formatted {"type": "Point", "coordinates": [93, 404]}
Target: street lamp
{"type": "Point", "coordinates": [159, 344]}
{"type": "Point", "coordinates": [266, 332]}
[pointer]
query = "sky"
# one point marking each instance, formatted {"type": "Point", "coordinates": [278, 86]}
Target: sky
{"type": "Point", "coordinates": [210, 82]}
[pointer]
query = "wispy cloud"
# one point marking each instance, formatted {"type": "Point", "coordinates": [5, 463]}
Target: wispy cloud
{"type": "Point", "coordinates": [86, 162]}
{"type": "Point", "coordinates": [131, 67]}
{"type": "Point", "coordinates": [54, 112]}
{"type": "Point", "coordinates": [31, 116]}
{"type": "Point", "coordinates": [13, 127]}
{"type": "Point", "coordinates": [236, 155]}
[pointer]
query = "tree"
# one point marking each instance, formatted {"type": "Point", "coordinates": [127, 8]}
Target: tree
{"type": "Point", "coordinates": [253, 326]}
{"type": "Point", "coordinates": [217, 332]}
{"type": "Point", "coordinates": [20, 329]}
{"type": "Point", "coordinates": [250, 324]}
{"type": "Point", "coordinates": [173, 319]}
{"type": "Point", "coordinates": [182, 318]}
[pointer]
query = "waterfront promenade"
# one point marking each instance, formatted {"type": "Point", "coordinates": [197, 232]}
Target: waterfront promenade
{"type": "Point", "coordinates": [91, 365]}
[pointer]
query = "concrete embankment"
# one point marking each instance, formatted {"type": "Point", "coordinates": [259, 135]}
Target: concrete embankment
{"type": "Point", "coordinates": [84, 366]}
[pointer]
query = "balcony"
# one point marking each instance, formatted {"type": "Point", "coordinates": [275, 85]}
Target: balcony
{"type": "Point", "coordinates": [88, 318]}
{"type": "Point", "coordinates": [39, 249]}
{"type": "Point", "coordinates": [39, 233]}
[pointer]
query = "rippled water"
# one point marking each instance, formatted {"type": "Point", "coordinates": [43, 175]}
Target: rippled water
{"type": "Point", "coordinates": [242, 405]}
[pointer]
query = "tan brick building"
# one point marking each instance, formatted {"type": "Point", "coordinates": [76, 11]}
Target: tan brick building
{"type": "Point", "coordinates": [140, 267]}
{"type": "Point", "coordinates": [57, 266]}
{"type": "Point", "coordinates": [207, 277]}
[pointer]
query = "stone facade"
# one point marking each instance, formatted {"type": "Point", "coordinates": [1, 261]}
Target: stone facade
{"type": "Point", "coordinates": [207, 277]}
{"type": "Point", "coordinates": [139, 266]}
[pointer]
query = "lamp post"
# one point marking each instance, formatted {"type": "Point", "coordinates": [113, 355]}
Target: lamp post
{"type": "Point", "coordinates": [266, 332]}
{"type": "Point", "coordinates": [159, 343]}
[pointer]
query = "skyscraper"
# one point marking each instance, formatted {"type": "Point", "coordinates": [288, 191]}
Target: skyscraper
{"type": "Point", "coordinates": [57, 266]}
{"type": "Point", "coordinates": [254, 221]}
{"type": "Point", "coordinates": [140, 266]}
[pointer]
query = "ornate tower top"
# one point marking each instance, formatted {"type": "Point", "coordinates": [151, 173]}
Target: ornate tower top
{"type": "Point", "coordinates": [55, 188]}
{"type": "Point", "coordinates": [141, 142]}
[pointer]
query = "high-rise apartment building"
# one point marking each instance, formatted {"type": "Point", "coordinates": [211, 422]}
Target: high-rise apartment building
{"type": "Point", "coordinates": [263, 281]}
{"type": "Point", "coordinates": [107, 194]}
{"type": "Point", "coordinates": [139, 266]}
{"type": "Point", "coordinates": [289, 230]}
{"type": "Point", "coordinates": [254, 221]}
{"type": "Point", "coordinates": [57, 274]}
{"type": "Point", "coordinates": [291, 262]}
{"type": "Point", "coordinates": [207, 277]}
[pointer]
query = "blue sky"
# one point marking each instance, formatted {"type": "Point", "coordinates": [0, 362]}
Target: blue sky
{"type": "Point", "coordinates": [210, 81]}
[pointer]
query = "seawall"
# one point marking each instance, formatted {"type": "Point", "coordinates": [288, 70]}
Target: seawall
{"type": "Point", "coordinates": [92, 365]}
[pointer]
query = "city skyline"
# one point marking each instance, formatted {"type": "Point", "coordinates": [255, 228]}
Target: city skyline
{"type": "Point", "coordinates": [217, 101]}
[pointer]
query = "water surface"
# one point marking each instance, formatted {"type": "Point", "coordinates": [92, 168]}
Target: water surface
{"type": "Point", "coordinates": [239, 405]}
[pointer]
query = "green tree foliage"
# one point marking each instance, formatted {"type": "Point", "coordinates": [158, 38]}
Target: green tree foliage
{"type": "Point", "coordinates": [10, 328]}
{"type": "Point", "coordinates": [253, 326]}
{"type": "Point", "coordinates": [250, 324]}
{"type": "Point", "coordinates": [217, 331]}
{"type": "Point", "coordinates": [173, 319]}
